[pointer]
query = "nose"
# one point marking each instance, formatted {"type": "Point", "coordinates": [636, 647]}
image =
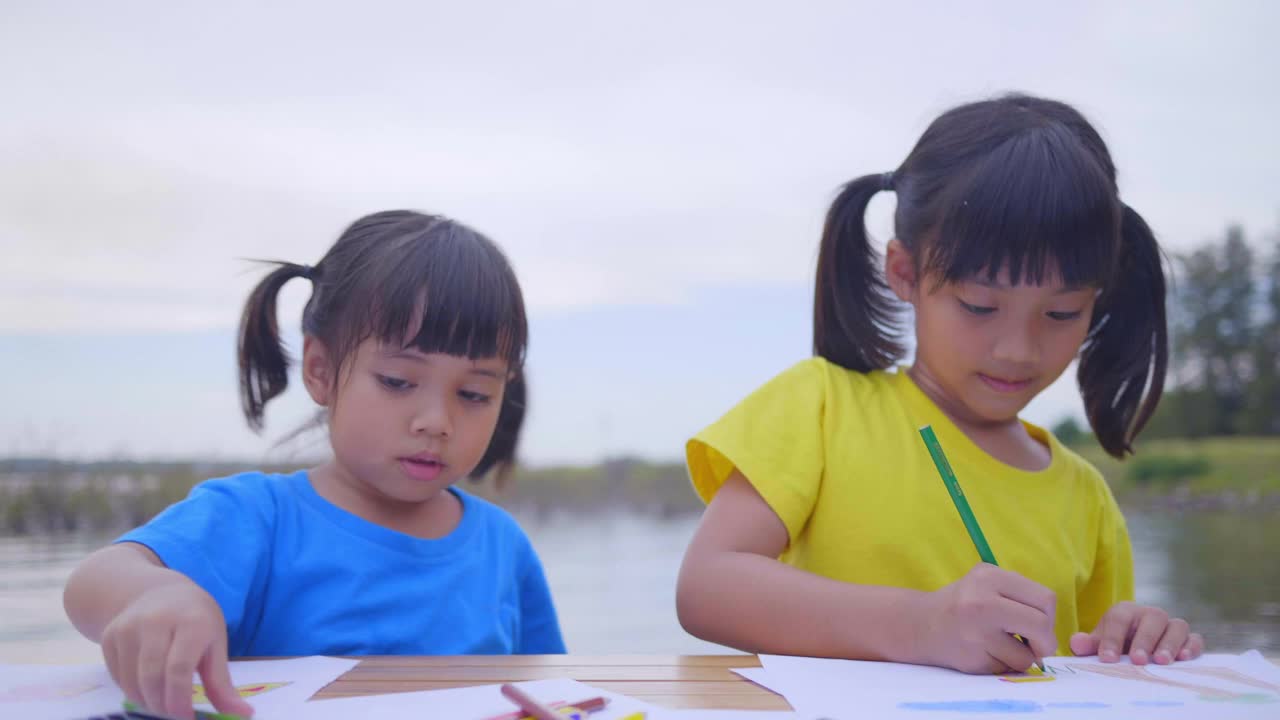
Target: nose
{"type": "Point", "coordinates": [432, 417]}
{"type": "Point", "coordinates": [1017, 344]}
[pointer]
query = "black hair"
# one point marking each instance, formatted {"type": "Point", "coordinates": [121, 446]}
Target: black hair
{"type": "Point", "coordinates": [1018, 183]}
{"type": "Point", "coordinates": [385, 272]}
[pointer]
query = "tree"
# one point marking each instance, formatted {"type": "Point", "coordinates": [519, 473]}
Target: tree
{"type": "Point", "coordinates": [1261, 412]}
{"type": "Point", "coordinates": [1219, 365]}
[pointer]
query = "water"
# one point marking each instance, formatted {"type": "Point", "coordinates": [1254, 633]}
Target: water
{"type": "Point", "coordinates": [613, 576]}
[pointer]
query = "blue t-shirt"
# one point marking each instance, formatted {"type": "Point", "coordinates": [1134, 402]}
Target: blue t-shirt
{"type": "Point", "coordinates": [296, 575]}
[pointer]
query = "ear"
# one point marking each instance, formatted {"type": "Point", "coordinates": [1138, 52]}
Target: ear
{"type": "Point", "coordinates": [317, 373]}
{"type": "Point", "coordinates": [900, 271]}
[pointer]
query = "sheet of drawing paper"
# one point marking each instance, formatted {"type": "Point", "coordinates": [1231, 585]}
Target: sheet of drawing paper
{"type": "Point", "coordinates": [470, 703]}
{"type": "Point", "coordinates": [761, 677]}
{"type": "Point", "coordinates": [63, 692]}
{"type": "Point", "coordinates": [284, 684]}
{"type": "Point", "coordinates": [1218, 686]}
{"type": "Point", "coordinates": [56, 692]}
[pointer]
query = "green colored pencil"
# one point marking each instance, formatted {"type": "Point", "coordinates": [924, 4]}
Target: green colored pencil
{"type": "Point", "coordinates": [962, 506]}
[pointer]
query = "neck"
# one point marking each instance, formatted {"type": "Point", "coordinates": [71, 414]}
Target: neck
{"type": "Point", "coordinates": [431, 519]}
{"type": "Point", "coordinates": [956, 411]}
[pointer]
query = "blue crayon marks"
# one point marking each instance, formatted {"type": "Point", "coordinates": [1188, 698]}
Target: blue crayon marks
{"type": "Point", "coordinates": [999, 707]}
{"type": "Point", "coordinates": [1078, 705]}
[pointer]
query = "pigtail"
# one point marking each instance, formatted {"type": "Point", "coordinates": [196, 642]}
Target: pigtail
{"type": "Point", "coordinates": [264, 364]}
{"type": "Point", "coordinates": [501, 453]}
{"type": "Point", "coordinates": [854, 319]}
{"type": "Point", "coordinates": [1124, 358]}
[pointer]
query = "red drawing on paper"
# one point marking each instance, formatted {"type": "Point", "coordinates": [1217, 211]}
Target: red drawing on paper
{"type": "Point", "coordinates": [198, 695]}
{"type": "Point", "coordinates": [1134, 672]}
{"type": "Point", "coordinates": [1230, 675]}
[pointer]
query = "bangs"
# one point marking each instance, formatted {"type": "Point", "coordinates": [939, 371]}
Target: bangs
{"type": "Point", "coordinates": [445, 289]}
{"type": "Point", "coordinates": [1038, 205]}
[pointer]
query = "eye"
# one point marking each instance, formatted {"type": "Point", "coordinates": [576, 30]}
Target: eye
{"type": "Point", "coordinates": [975, 309]}
{"type": "Point", "coordinates": [1064, 316]}
{"type": "Point", "coordinates": [473, 397]}
{"type": "Point", "coordinates": [394, 384]}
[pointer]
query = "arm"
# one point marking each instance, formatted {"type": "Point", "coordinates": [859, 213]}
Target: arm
{"type": "Point", "coordinates": [1119, 625]}
{"type": "Point", "coordinates": [110, 580]}
{"type": "Point", "coordinates": [156, 627]}
{"type": "Point", "coordinates": [539, 625]}
{"type": "Point", "coordinates": [732, 590]}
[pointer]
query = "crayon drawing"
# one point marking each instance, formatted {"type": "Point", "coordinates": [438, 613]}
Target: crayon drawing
{"type": "Point", "coordinates": [198, 695]}
{"type": "Point", "coordinates": [1141, 674]}
{"type": "Point", "coordinates": [1230, 675]}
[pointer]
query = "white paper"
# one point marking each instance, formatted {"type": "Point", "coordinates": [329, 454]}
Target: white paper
{"type": "Point", "coordinates": [62, 692]}
{"type": "Point", "coordinates": [760, 677]}
{"type": "Point", "coordinates": [1218, 686]}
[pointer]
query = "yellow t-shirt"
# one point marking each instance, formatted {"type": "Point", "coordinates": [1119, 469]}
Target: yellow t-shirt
{"type": "Point", "coordinates": [838, 456]}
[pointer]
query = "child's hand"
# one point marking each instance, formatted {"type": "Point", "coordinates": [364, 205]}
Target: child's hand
{"type": "Point", "coordinates": [155, 645]}
{"type": "Point", "coordinates": [1146, 633]}
{"type": "Point", "coordinates": [971, 622]}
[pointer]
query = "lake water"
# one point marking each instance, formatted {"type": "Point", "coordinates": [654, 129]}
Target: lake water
{"type": "Point", "coordinates": [613, 577]}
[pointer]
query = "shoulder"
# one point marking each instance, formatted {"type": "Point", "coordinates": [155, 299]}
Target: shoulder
{"type": "Point", "coordinates": [251, 485]}
{"type": "Point", "coordinates": [820, 377]}
{"type": "Point", "coordinates": [1090, 480]}
{"type": "Point", "coordinates": [495, 519]}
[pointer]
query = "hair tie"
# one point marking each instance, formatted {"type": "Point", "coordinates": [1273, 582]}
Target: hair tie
{"type": "Point", "coordinates": [307, 272]}
{"type": "Point", "coordinates": [886, 181]}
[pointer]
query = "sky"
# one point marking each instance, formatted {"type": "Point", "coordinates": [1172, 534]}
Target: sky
{"type": "Point", "coordinates": [657, 173]}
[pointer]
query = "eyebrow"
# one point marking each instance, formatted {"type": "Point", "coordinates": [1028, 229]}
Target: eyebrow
{"type": "Point", "coordinates": [418, 357]}
{"type": "Point", "coordinates": [1005, 286]}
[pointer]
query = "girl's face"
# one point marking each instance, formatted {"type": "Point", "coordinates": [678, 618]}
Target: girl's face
{"type": "Point", "coordinates": [990, 347]}
{"type": "Point", "coordinates": [404, 425]}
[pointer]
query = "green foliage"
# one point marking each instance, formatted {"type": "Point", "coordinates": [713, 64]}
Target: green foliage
{"type": "Point", "coordinates": [1241, 465]}
{"type": "Point", "coordinates": [1167, 470]}
{"type": "Point", "coordinates": [1224, 314]}
{"type": "Point", "coordinates": [1070, 433]}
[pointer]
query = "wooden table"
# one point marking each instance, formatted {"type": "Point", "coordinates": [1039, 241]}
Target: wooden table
{"type": "Point", "coordinates": [674, 681]}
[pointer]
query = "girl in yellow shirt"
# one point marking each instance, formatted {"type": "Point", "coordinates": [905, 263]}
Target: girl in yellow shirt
{"type": "Point", "coordinates": [828, 531]}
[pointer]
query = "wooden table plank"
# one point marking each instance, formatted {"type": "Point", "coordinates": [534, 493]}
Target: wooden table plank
{"type": "Point", "coordinates": [675, 681]}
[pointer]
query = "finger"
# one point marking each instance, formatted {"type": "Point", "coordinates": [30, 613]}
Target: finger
{"type": "Point", "coordinates": [152, 654]}
{"type": "Point", "coordinates": [115, 667]}
{"type": "Point", "coordinates": [1028, 592]}
{"type": "Point", "coordinates": [126, 665]}
{"type": "Point", "coordinates": [1114, 630]}
{"type": "Point", "coordinates": [216, 675]}
{"type": "Point", "coordinates": [1030, 623]}
{"type": "Point", "coordinates": [1171, 643]}
{"type": "Point", "coordinates": [1150, 625]}
{"type": "Point", "coordinates": [1013, 655]}
{"type": "Point", "coordinates": [1193, 648]}
{"type": "Point", "coordinates": [184, 653]}
{"type": "Point", "coordinates": [1083, 644]}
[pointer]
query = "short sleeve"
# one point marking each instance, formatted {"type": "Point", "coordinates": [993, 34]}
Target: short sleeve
{"type": "Point", "coordinates": [218, 536]}
{"type": "Point", "coordinates": [1112, 578]}
{"type": "Point", "coordinates": [539, 626]}
{"type": "Point", "coordinates": [774, 437]}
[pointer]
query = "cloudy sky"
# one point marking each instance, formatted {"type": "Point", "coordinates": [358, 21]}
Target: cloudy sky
{"type": "Point", "coordinates": [656, 172]}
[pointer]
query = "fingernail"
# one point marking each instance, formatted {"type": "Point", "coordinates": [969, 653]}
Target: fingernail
{"type": "Point", "coordinates": [1163, 657]}
{"type": "Point", "coordinates": [1138, 656]}
{"type": "Point", "coordinates": [1107, 654]}
{"type": "Point", "coordinates": [1185, 654]}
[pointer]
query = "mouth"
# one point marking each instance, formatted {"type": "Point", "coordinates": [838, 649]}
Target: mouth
{"type": "Point", "coordinates": [423, 466]}
{"type": "Point", "coordinates": [1005, 385]}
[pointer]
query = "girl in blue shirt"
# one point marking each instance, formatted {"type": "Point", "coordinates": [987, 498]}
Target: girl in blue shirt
{"type": "Point", "coordinates": [414, 342]}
